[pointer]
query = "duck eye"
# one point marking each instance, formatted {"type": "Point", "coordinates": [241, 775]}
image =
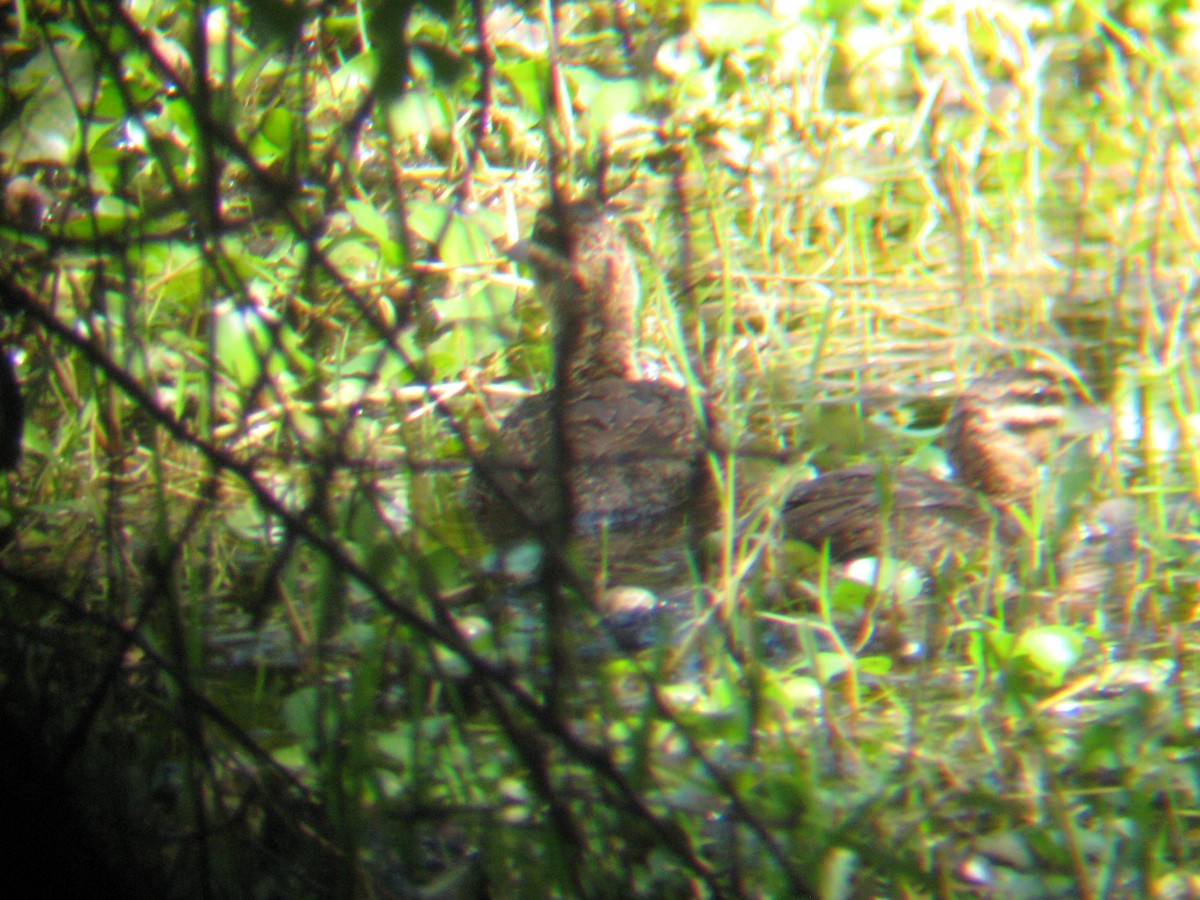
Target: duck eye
{"type": "Point", "coordinates": [1044, 396]}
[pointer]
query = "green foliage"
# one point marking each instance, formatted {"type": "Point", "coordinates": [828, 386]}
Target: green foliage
{"type": "Point", "coordinates": [254, 281]}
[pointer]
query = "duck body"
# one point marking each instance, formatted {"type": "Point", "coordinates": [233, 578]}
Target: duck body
{"type": "Point", "coordinates": [905, 513]}
{"type": "Point", "coordinates": [633, 453]}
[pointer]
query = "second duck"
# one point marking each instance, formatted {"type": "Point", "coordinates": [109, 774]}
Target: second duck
{"type": "Point", "coordinates": [1001, 433]}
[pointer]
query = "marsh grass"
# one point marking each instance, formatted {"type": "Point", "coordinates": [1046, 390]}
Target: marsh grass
{"type": "Point", "coordinates": [246, 614]}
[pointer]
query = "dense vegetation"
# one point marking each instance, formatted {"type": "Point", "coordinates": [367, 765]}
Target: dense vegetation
{"type": "Point", "coordinates": [254, 284]}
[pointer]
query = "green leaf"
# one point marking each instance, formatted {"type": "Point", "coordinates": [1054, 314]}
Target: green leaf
{"type": "Point", "coordinates": [461, 240]}
{"type": "Point", "coordinates": [529, 80]}
{"type": "Point", "coordinates": [466, 243]}
{"type": "Point", "coordinates": [606, 99]}
{"type": "Point", "coordinates": [419, 112]}
{"type": "Point", "coordinates": [371, 222]}
{"type": "Point", "coordinates": [427, 220]}
{"type": "Point", "coordinates": [353, 258]}
{"type": "Point", "coordinates": [849, 595]}
{"type": "Point", "coordinates": [279, 127]}
{"type": "Point", "coordinates": [110, 215]}
{"type": "Point", "coordinates": [300, 715]}
{"type": "Point", "coordinates": [1051, 649]}
{"type": "Point", "coordinates": [275, 135]}
{"type": "Point", "coordinates": [245, 342]}
{"type": "Point", "coordinates": [47, 129]}
{"type": "Point", "coordinates": [398, 743]}
{"type": "Point", "coordinates": [730, 27]}
{"type": "Point", "coordinates": [277, 20]}
{"type": "Point", "coordinates": [241, 339]}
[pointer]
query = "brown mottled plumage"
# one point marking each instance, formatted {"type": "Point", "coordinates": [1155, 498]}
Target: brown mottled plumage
{"type": "Point", "coordinates": [628, 453]}
{"type": "Point", "coordinates": [1001, 431]}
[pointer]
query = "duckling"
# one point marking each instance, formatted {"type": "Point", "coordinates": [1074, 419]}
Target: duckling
{"type": "Point", "coordinates": [614, 458]}
{"type": "Point", "coordinates": [1001, 432]}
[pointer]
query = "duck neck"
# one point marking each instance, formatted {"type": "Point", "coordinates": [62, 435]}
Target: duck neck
{"type": "Point", "coordinates": [595, 329]}
{"type": "Point", "coordinates": [590, 350]}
